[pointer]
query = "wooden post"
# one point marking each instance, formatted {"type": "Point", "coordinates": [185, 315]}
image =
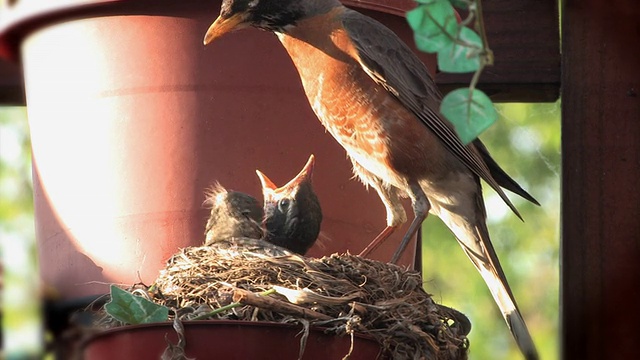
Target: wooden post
{"type": "Point", "coordinates": [11, 84]}
{"type": "Point", "coordinates": [600, 258]}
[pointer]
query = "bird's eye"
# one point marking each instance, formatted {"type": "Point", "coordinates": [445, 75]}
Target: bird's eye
{"type": "Point", "coordinates": [283, 204]}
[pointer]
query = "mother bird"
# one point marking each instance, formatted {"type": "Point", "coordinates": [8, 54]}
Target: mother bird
{"type": "Point", "coordinates": [377, 99]}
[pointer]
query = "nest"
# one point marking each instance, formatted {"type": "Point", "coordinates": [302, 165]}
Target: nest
{"type": "Point", "coordinates": [342, 293]}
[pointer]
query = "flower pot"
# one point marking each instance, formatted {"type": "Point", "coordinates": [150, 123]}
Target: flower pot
{"type": "Point", "coordinates": [227, 340]}
{"type": "Point", "coordinates": [132, 118]}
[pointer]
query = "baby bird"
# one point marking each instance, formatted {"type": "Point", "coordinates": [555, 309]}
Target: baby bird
{"type": "Point", "coordinates": [233, 215]}
{"type": "Point", "coordinates": [290, 216]}
{"type": "Point", "coordinates": [292, 213]}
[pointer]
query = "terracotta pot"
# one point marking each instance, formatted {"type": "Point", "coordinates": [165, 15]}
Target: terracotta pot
{"type": "Point", "coordinates": [227, 340]}
{"type": "Point", "coordinates": [132, 118]}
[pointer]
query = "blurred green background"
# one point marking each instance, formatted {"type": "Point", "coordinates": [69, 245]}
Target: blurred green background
{"type": "Point", "coordinates": [20, 291]}
{"type": "Point", "coordinates": [525, 141]}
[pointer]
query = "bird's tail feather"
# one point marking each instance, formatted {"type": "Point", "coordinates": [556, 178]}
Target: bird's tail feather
{"type": "Point", "coordinates": [476, 244]}
{"type": "Point", "coordinates": [502, 178]}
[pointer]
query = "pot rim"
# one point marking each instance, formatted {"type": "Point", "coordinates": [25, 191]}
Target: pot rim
{"type": "Point", "coordinates": [19, 20]}
{"type": "Point", "coordinates": [213, 322]}
{"type": "Point", "coordinates": [221, 322]}
{"type": "Point", "coordinates": [22, 18]}
{"type": "Point", "coordinates": [206, 325]}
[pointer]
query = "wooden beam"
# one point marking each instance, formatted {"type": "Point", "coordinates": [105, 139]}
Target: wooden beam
{"type": "Point", "coordinates": [600, 256]}
{"type": "Point", "coordinates": [525, 38]}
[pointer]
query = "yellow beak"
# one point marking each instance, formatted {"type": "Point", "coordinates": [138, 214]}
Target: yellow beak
{"type": "Point", "coordinates": [223, 26]}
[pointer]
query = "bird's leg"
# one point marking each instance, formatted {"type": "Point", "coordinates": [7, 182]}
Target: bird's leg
{"type": "Point", "coordinates": [421, 207]}
{"type": "Point", "coordinates": [396, 215]}
{"type": "Point", "coordinates": [384, 234]}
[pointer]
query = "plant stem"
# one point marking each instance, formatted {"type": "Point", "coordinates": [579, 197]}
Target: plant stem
{"type": "Point", "coordinates": [476, 78]}
{"type": "Point", "coordinates": [487, 55]}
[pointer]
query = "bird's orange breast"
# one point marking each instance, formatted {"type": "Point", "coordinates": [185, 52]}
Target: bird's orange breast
{"type": "Point", "coordinates": [375, 129]}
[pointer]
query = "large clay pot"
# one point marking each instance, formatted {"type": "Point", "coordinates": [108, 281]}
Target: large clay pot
{"type": "Point", "coordinates": [227, 340]}
{"type": "Point", "coordinates": [132, 118]}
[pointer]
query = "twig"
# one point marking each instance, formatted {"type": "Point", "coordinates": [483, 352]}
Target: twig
{"type": "Point", "coordinates": [234, 304]}
{"type": "Point", "coordinates": [269, 303]}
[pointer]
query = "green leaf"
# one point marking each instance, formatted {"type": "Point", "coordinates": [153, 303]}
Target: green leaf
{"type": "Point", "coordinates": [434, 24]}
{"type": "Point", "coordinates": [462, 55]}
{"type": "Point", "coordinates": [471, 113]}
{"type": "Point", "coordinates": [132, 309]}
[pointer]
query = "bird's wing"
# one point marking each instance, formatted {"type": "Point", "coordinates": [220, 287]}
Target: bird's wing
{"type": "Point", "coordinates": [390, 63]}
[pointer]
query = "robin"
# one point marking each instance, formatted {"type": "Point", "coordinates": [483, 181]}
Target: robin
{"type": "Point", "coordinates": [379, 102]}
{"type": "Point", "coordinates": [292, 213]}
{"type": "Point", "coordinates": [233, 215]}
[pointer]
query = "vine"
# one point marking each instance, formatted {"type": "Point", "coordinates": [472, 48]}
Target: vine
{"type": "Point", "coordinates": [460, 49]}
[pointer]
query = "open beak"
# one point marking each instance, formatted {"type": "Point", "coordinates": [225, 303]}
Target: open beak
{"type": "Point", "coordinates": [267, 184]}
{"type": "Point", "coordinates": [268, 187]}
{"type": "Point", "coordinates": [303, 175]}
{"type": "Point", "coordinates": [223, 26]}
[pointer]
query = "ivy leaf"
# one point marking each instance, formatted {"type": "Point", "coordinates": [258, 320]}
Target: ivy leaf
{"type": "Point", "coordinates": [462, 55]}
{"type": "Point", "coordinates": [471, 113]}
{"type": "Point", "coordinates": [132, 309]}
{"type": "Point", "coordinates": [434, 24]}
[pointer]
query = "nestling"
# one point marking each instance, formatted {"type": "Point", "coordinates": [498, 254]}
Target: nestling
{"type": "Point", "coordinates": [233, 215]}
{"type": "Point", "coordinates": [292, 212]}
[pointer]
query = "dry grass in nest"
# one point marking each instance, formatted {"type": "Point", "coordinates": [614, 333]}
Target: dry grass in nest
{"type": "Point", "coordinates": [341, 292]}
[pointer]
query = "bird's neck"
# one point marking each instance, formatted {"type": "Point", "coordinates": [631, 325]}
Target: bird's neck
{"type": "Point", "coordinates": [320, 49]}
{"type": "Point", "coordinates": [318, 37]}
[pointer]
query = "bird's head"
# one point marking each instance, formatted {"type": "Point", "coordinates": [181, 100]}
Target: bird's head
{"type": "Point", "coordinates": [292, 213]}
{"type": "Point", "coordinates": [233, 214]}
{"type": "Point", "coordinates": [270, 15]}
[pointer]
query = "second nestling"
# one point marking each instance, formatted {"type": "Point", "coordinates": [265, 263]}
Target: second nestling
{"type": "Point", "coordinates": [290, 216]}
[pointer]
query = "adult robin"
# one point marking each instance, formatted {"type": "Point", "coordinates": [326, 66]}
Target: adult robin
{"type": "Point", "coordinates": [379, 102]}
{"type": "Point", "coordinates": [292, 213]}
